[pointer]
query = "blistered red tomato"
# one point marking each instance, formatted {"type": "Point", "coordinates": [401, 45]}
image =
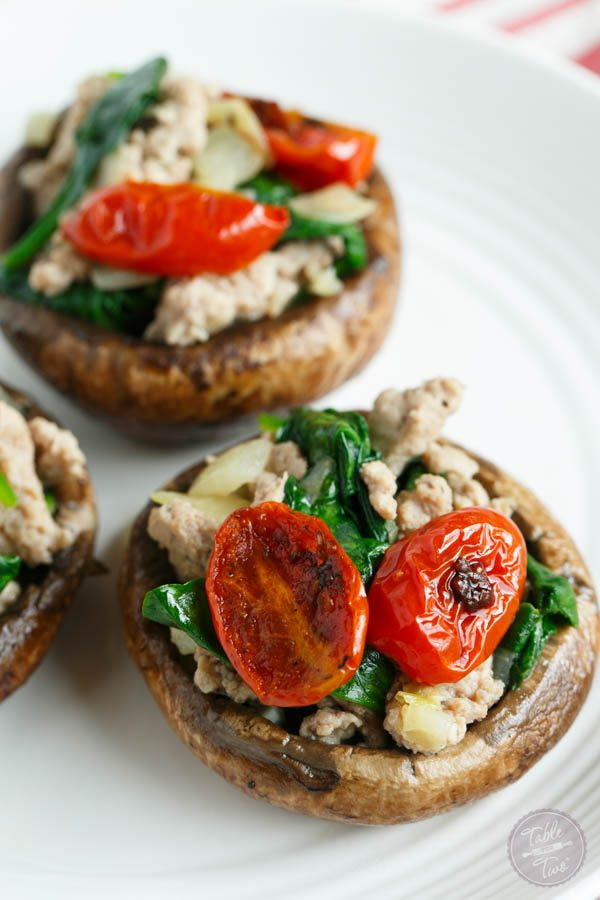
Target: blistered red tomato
{"type": "Point", "coordinates": [176, 229]}
{"type": "Point", "coordinates": [444, 596]}
{"type": "Point", "coordinates": [314, 154]}
{"type": "Point", "coordinates": [287, 603]}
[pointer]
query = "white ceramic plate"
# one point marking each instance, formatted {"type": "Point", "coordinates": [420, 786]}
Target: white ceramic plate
{"type": "Point", "coordinates": [494, 158]}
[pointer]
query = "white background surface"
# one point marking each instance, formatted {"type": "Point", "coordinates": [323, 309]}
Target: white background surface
{"type": "Point", "coordinates": [494, 161]}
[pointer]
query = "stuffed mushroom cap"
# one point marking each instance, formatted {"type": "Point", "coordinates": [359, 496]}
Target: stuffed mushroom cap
{"type": "Point", "coordinates": [29, 625]}
{"type": "Point", "coordinates": [167, 393]}
{"type": "Point", "coordinates": [354, 784]}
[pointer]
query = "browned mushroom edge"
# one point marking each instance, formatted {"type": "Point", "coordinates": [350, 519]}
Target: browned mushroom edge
{"type": "Point", "coordinates": [164, 393]}
{"type": "Point", "coordinates": [354, 784]}
{"type": "Point", "coordinates": [28, 627]}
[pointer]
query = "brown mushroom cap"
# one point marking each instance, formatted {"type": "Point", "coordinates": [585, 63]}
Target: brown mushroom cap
{"type": "Point", "coordinates": [355, 784]}
{"type": "Point", "coordinates": [28, 627]}
{"type": "Point", "coordinates": [166, 393]}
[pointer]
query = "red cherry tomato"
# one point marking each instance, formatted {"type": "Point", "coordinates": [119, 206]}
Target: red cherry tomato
{"type": "Point", "coordinates": [287, 603]}
{"type": "Point", "coordinates": [174, 229]}
{"type": "Point", "coordinates": [418, 615]}
{"type": "Point", "coordinates": [314, 154]}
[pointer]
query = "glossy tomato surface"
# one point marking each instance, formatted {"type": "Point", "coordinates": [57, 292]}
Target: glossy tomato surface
{"type": "Point", "coordinates": [415, 617]}
{"type": "Point", "coordinates": [313, 155]}
{"type": "Point", "coordinates": [287, 603]}
{"type": "Point", "coordinates": [174, 229]}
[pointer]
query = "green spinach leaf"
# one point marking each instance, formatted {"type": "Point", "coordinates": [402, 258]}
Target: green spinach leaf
{"type": "Point", "coordinates": [51, 502]}
{"type": "Point", "coordinates": [364, 551]}
{"type": "Point", "coordinates": [525, 641]}
{"type": "Point", "coordinates": [553, 595]}
{"type": "Point", "coordinates": [268, 188]}
{"type": "Point", "coordinates": [355, 246]}
{"type": "Point", "coordinates": [551, 603]}
{"type": "Point", "coordinates": [107, 122]}
{"type": "Point", "coordinates": [369, 685]}
{"type": "Point", "coordinates": [269, 422]}
{"type": "Point", "coordinates": [184, 606]}
{"type": "Point", "coordinates": [10, 566]}
{"type": "Point", "coordinates": [7, 495]}
{"type": "Point", "coordinates": [336, 445]}
{"type": "Point", "coordinates": [128, 311]}
{"type": "Point", "coordinates": [340, 436]}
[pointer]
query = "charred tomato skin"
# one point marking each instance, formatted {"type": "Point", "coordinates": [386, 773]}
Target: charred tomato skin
{"type": "Point", "coordinates": [287, 603]}
{"type": "Point", "coordinates": [416, 617]}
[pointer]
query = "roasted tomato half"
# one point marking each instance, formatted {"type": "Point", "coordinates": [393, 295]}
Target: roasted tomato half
{"type": "Point", "coordinates": [287, 603]}
{"type": "Point", "coordinates": [173, 229]}
{"type": "Point", "coordinates": [444, 597]}
{"type": "Point", "coordinates": [314, 154]}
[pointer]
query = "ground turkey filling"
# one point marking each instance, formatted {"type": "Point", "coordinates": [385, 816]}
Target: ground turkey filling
{"type": "Point", "coordinates": [403, 424]}
{"type": "Point", "coordinates": [189, 310]}
{"type": "Point", "coordinates": [35, 455]}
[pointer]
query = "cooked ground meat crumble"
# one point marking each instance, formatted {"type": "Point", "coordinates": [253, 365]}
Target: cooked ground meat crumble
{"type": "Point", "coordinates": [35, 455]}
{"type": "Point", "coordinates": [187, 535]}
{"type": "Point", "coordinates": [192, 309]}
{"type": "Point", "coordinates": [448, 709]}
{"type": "Point", "coordinates": [404, 423]}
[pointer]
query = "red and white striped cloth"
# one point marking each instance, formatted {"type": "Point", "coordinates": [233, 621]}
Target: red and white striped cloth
{"type": "Point", "coordinates": [568, 27]}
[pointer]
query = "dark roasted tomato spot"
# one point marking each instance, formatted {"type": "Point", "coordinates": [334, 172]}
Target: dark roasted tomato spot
{"type": "Point", "coordinates": [470, 585]}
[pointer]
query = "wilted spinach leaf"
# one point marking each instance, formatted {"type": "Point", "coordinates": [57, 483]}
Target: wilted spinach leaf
{"type": "Point", "coordinates": [369, 685]}
{"type": "Point", "coordinates": [10, 566]}
{"type": "Point", "coordinates": [269, 188]}
{"type": "Point", "coordinates": [269, 422]}
{"type": "Point", "coordinates": [336, 446]}
{"type": "Point", "coordinates": [552, 593]}
{"type": "Point", "coordinates": [128, 311]}
{"type": "Point", "coordinates": [551, 603]}
{"type": "Point", "coordinates": [7, 495]}
{"type": "Point", "coordinates": [184, 606]}
{"type": "Point", "coordinates": [51, 502]}
{"type": "Point", "coordinates": [355, 246]}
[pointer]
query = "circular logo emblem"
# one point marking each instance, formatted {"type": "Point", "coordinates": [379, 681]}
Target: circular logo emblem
{"type": "Point", "coordinates": [546, 847]}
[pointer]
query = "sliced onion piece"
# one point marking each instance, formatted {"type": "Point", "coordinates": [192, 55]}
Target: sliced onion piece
{"type": "Point", "coordinates": [228, 159]}
{"type": "Point", "coordinates": [216, 508]}
{"type": "Point", "coordinates": [40, 128]}
{"type": "Point", "coordinates": [325, 283]}
{"type": "Point", "coordinates": [107, 279]}
{"type": "Point", "coordinates": [336, 203]}
{"type": "Point", "coordinates": [424, 723]}
{"type": "Point", "coordinates": [232, 469]}
{"type": "Point", "coordinates": [239, 115]}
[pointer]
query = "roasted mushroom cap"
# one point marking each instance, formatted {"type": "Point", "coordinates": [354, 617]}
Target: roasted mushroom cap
{"type": "Point", "coordinates": [350, 783]}
{"type": "Point", "coordinates": [164, 393]}
{"type": "Point", "coordinates": [28, 627]}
